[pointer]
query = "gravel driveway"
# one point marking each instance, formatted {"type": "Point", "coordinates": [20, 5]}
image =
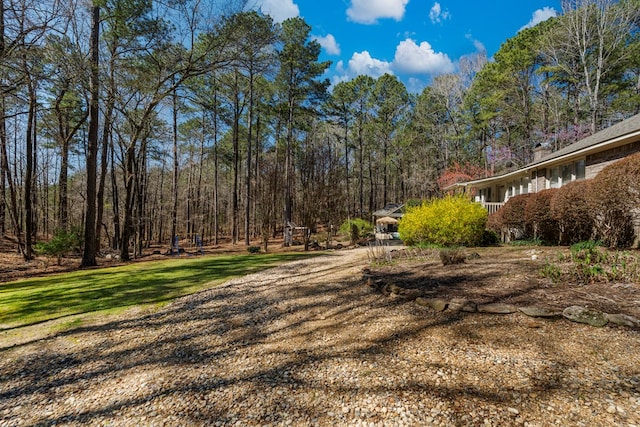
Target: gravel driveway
{"type": "Point", "coordinates": [307, 343]}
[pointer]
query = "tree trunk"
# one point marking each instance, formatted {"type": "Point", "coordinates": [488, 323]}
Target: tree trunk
{"type": "Point", "coordinates": [28, 176]}
{"type": "Point", "coordinates": [236, 160]}
{"type": "Point", "coordinates": [176, 170]}
{"type": "Point", "coordinates": [104, 160]}
{"type": "Point", "coordinates": [90, 249]}
{"type": "Point", "coordinates": [199, 201]}
{"type": "Point", "coordinates": [63, 206]}
{"type": "Point", "coordinates": [288, 172]}
{"type": "Point", "coordinates": [247, 212]}
{"type": "Point", "coordinates": [127, 222]}
{"type": "Point", "coordinates": [115, 199]}
{"type": "Point", "coordinates": [361, 172]}
{"type": "Point", "coordinates": [104, 164]}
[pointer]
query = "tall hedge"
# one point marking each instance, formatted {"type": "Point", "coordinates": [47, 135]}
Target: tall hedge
{"type": "Point", "coordinates": [538, 217]}
{"type": "Point", "coordinates": [571, 211]}
{"type": "Point", "coordinates": [615, 201]}
{"type": "Point", "coordinates": [450, 221]}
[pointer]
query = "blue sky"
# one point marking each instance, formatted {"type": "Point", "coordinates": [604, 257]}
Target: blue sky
{"type": "Point", "coordinates": [412, 39]}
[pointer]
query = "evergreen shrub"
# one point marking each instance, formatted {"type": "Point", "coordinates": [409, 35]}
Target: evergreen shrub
{"type": "Point", "coordinates": [450, 221]}
{"type": "Point", "coordinates": [62, 243]}
{"type": "Point", "coordinates": [509, 221]}
{"type": "Point", "coordinates": [538, 217]}
{"type": "Point", "coordinates": [356, 228]}
{"type": "Point", "coordinates": [614, 200]}
{"type": "Point", "coordinates": [570, 209]}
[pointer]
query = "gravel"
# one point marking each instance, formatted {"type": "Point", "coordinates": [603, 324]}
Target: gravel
{"type": "Point", "coordinates": [308, 343]}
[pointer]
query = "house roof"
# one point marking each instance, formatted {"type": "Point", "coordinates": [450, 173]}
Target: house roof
{"type": "Point", "coordinates": [386, 220]}
{"type": "Point", "coordinates": [612, 133]}
{"type": "Point", "coordinates": [615, 135]}
{"type": "Point", "coordinates": [393, 210]}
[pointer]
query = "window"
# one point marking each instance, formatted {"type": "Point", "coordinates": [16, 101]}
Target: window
{"type": "Point", "coordinates": [566, 174]}
{"type": "Point", "coordinates": [555, 177]}
{"type": "Point", "coordinates": [525, 185]}
{"type": "Point", "coordinates": [580, 169]}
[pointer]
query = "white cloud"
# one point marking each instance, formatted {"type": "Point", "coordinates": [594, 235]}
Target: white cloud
{"type": "Point", "coordinates": [437, 15]}
{"type": "Point", "coordinates": [539, 16]}
{"type": "Point", "coordinates": [480, 47]}
{"type": "Point", "coordinates": [369, 11]}
{"type": "Point", "coordinates": [410, 58]}
{"type": "Point", "coordinates": [363, 63]}
{"type": "Point", "coordinates": [279, 10]}
{"type": "Point", "coordinates": [421, 59]}
{"type": "Point", "coordinates": [329, 44]}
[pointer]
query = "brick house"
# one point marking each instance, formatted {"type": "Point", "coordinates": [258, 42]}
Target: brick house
{"type": "Point", "coordinates": [580, 160]}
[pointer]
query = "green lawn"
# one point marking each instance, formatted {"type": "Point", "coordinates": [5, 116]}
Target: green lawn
{"type": "Point", "coordinates": [35, 300]}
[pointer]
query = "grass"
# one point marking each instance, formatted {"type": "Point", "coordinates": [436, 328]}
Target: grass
{"type": "Point", "coordinates": [36, 300]}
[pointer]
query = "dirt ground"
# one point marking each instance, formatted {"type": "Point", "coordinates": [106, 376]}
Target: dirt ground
{"type": "Point", "coordinates": [310, 343]}
{"type": "Point", "coordinates": [504, 275]}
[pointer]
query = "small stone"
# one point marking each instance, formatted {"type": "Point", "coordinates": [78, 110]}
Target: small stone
{"type": "Point", "coordinates": [497, 308]}
{"type": "Point", "coordinates": [437, 304]}
{"type": "Point", "coordinates": [585, 315]}
{"type": "Point", "coordinates": [514, 411]}
{"type": "Point", "coordinates": [533, 311]}
{"type": "Point", "coordinates": [623, 320]}
{"type": "Point", "coordinates": [611, 409]}
{"type": "Point", "coordinates": [462, 304]}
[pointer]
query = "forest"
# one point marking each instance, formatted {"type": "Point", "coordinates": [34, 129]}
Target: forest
{"type": "Point", "coordinates": [136, 122]}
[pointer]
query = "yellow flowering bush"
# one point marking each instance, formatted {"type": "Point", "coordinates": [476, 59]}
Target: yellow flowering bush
{"type": "Point", "coordinates": [450, 221]}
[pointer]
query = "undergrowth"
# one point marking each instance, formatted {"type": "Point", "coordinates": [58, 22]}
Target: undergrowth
{"type": "Point", "coordinates": [589, 262]}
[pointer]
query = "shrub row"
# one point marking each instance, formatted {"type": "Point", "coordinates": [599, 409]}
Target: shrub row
{"type": "Point", "coordinates": [604, 208]}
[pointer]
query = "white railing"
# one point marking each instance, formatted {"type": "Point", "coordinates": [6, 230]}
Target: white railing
{"type": "Point", "coordinates": [492, 207]}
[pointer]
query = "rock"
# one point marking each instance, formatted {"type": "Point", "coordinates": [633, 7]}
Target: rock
{"type": "Point", "coordinates": [437, 304]}
{"type": "Point", "coordinates": [533, 311]}
{"type": "Point", "coordinates": [462, 304]}
{"type": "Point", "coordinates": [497, 308]}
{"type": "Point", "coordinates": [623, 320]}
{"type": "Point", "coordinates": [585, 315]}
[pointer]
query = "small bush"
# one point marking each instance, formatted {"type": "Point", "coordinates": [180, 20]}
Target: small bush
{"type": "Point", "coordinates": [452, 256]}
{"type": "Point", "coordinates": [551, 271]}
{"type": "Point", "coordinates": [253, 249]}
{"type": "Point", "coordinates": [451, 221]}
{"type": "Point", "coordinates": [356, 229]}
{"type": "Point", "coordinates": [588, 260]}
{"type": "Point", "coordinates": [489, 238]}
{"type": "Point", "coordinates": [62, 243]}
